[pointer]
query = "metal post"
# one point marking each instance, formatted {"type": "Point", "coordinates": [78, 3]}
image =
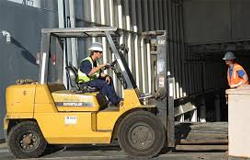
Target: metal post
{"type": "Point", "coordinates": [217, 107]}
{"type": "Point", "coordinates": [143, 65]}
{"type": "Point", "coordinates": [136, 46]}
{"type": "Point", "coordinates": [92, 11]}
{"type": "Point", "coordinates": [68, 24]}
{"type": "Point", "coordinates": [161, 14]}
{"type": "Point", "coordinates": [62, 24]}
{"type": "Point", "coordinates": [139, 13]}
{"type": "Point", "coordinates": [73, 40]}
{"type": "Point", "coordinates": [137, 74]}
{"type": "Point", "coordinates": [128, 27]}
{"type": "Point", "coordinates": [194, 115]}
{"type": "Point", "coordinates": [61, 13]}
{"type": "Point", "coordinates": [170, 114]}
{"type": "Point", "coordinates": [175, 49]}
{"type": "Point", "coordinates": [178, 49]}
{"type": "Point", "coordinates": [146, 15]}
{"type": "Point", "coordinates": [59, 62]}
{"type": "Point", "coordinates": [114, 76]}
{"type": "Point", "coordinates": [151, 14]}
{"type": "Point", "coordinates": [43, 70]}
{"type": "Point", "coordinates": [111, 12]}
{"type": "Point", "coordinates": [182, 51]}
{"type": "Point", "coordinates": [129, 52]}
{"type": "Point", "coordinates": [203, 110]}
{"type": "Point", "coordinates": [93, 15]}
{"type": "Point", "coordinates": [111, 16]}
{"type": "Point", "coordinates": [156, 14]}
{"type": "Point", "coordinates": [149, 68]}
{"type": "Point", "coordinates": [120, 25]}
{"type": "Point", "coordinates": [181, 118]}
{"type": "Point", "coordinates": [170, 37]}
{"type": "Point", "coordinates": [119, 5]}
{"type": "Point", "coordinates": [104, 42]}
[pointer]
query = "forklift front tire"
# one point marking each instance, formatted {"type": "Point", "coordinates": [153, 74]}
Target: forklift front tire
{"type": "Point", "coordinates": [25, 140]}
{"type": "Point", "coordinates": [141, 134]}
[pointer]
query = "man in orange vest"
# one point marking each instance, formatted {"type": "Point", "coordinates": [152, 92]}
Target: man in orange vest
{"type": "Point", "coordinates": [236, 75]}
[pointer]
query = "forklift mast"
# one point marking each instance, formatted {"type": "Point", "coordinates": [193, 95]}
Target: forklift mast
{"type": "Point", "coordinates": [164, 90]}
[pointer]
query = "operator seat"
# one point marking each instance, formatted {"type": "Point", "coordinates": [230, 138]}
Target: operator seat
{"type": "Point", "coordinates": [73, 76]}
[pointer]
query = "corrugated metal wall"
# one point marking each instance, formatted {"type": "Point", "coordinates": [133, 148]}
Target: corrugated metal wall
{"type": "Point", "coordinates": [18, 58]}
{"type": "Point", "coordinates": [134, 17]}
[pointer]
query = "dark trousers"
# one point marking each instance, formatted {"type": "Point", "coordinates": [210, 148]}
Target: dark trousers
{"type": "Point", "coordinates": [107, 89]}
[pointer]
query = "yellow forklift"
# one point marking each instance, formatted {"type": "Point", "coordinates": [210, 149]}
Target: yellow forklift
{"type": "Point", "coordinates": [42, 113]}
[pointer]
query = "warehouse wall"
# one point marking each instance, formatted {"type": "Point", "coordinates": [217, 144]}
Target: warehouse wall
{"type": "Point", "coordinates": [18, 58]}
{"type": "Point", "coordinates": [214, 21]}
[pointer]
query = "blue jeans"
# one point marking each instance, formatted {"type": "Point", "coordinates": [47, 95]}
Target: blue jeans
{"type": "Point", "coordinates": [107, 89]}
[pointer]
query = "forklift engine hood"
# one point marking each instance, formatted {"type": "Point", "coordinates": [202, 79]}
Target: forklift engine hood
{"type": "Point", "coordinates": [20, 101]}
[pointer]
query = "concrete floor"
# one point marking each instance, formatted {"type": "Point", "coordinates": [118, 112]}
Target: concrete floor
{"type": "Point", "coordinates": [112, 153]}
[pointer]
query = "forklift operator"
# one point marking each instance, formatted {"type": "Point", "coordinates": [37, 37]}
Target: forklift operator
{"type": "Point", "coordinates": [90, 73]}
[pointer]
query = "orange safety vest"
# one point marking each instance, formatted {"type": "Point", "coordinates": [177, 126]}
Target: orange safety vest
{"type": "Point", "coordinates": [235, 80]}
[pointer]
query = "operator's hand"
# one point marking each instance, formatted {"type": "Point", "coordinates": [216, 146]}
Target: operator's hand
{"type": "Point", "coordinates": [105, 66]}
{"type": "Point", "coordinates": [102, 66]}
{"type": "Point", "coordinates": [107, 79]}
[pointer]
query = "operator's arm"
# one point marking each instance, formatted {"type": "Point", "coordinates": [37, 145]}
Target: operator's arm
{"type": "Point", "coordinates": [244, 77]}
{"type": "Point", "coordinates": [86, 68]}
{"type": "Point", "coordinates": [95, 69]}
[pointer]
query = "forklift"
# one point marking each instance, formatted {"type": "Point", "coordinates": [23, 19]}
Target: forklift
{"type": "Point", "coordinates": [45, 113]}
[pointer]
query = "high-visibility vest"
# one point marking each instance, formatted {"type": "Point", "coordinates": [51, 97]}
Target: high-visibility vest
{"type": "Point", "coordinates": [82, 77]}
{"type": "Point", "coordinates": [235, 80]}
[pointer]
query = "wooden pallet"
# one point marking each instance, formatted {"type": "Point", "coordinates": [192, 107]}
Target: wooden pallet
{"type": "Point", "coordinates": [211, 136]}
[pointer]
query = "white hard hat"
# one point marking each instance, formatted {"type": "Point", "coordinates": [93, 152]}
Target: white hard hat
{"type": "Point", "coordinates": [229, 56]}
{"type": "Point", "coordinates": [96, 46]}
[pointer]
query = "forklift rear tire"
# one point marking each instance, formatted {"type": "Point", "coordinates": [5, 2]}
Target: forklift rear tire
{"type": "Point", "coordinates": [25, 140]}
{"type": "Point", "coordinates": [141, 134]}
